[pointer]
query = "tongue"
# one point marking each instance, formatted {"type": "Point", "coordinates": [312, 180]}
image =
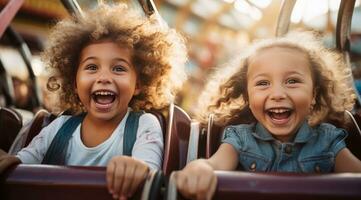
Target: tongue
{"type": "Point", "coordinates": [102, 99]}
{"type": "Point", "coordinates": [280, 116]}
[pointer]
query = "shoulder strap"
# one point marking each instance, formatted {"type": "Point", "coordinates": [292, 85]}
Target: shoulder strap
{"type": "Point", "coordinates": [56, 153]}
{"type": "Point", "coordinates": [130, 132]}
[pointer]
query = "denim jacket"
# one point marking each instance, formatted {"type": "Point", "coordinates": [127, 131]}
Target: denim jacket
{"type": "Point", "coordinates": [313, 149]}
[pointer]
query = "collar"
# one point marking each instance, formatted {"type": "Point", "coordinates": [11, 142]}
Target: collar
{"type": "Point", "coordinates": [262, 133]}
{"type": "Point", "coordinates": [304, 133]}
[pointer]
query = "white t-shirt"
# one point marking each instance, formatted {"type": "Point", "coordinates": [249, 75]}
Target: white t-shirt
{"type": "Point", "coordinates": [147, 147]}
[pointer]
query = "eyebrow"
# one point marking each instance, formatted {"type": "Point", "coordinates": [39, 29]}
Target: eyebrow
{"type": "Point", "coordinates": [117, 59]}
{"type": "Point", "coordinates": [122, 60]}
{"type": "Point", "coordinates": [258, 75]}
{"type": "Point", "coordinates": [287, 73]}
{"type": "Point", "coordinates": [294, 72]}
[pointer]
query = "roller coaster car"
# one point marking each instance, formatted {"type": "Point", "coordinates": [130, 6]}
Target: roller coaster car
{"type": "Point", "coordinates": [183, 143]}
{"type": "Point", "coordinates": [236, 185]}
{"type": "Point", "coordinates": [245, 185]}
{"type": "Point", "coordinates": [60, 182]}
{"type": "Point", "coordinates": [63, 182]}
{"type": "Point", "coordinates": [10, 124]}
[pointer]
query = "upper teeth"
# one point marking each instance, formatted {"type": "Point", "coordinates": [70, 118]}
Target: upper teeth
{"type": "Point", "coordinates": [103, 93]}
{"type": "Point", "coordinates": [278, 110]}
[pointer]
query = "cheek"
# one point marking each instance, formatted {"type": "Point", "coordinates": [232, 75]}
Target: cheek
{"type": "Point", "coordinates": [81, 80]}
{"type": "Point", "coordinates": [77, 79]}
{"type": "Point", "coordinates": [82, 87]}
{"type": "Point", "coordinates": [307, 103]}
{"type": "Point", "coordinates": [303, 96]}
{"type": "Point", "coordinates": [255, 102]}
{"type": "Point", "coordinates": [133, 84]}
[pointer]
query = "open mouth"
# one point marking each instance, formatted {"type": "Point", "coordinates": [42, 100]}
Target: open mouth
{"type": "Point", "coordinates": [103, 97]}
{"type": "Point", "coordinates": [279, 114]}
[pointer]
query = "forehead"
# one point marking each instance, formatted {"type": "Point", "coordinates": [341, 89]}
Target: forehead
{"type": "Point", "coordinates": [106, 49]}
{"type": "Point", "coordinates": [288, 53]}
{"type": "Point", "coordinates": [273, 57]}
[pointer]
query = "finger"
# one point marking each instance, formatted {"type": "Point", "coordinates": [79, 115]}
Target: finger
{"type": "Point", "coordinates": [192, 182]}
{"type": "Point", "coordinates": [139, 177]}
{"type": "Point", "coordinates": [180, 181]}
{"type": "Point", "coordinates": [127, 180]}
{"type": "Point", "coordinates": [182, 184]}
{"type": "Point", "coordinates": [7, 161]}
{"type": "Point", "coordinates": [203, 186]}
{"type": "Point", "coordinates": [213, 187]}
{"type": "Point", "coordinates": [118, 178]}
{"type": "Point", "coordinates": [110, 175]}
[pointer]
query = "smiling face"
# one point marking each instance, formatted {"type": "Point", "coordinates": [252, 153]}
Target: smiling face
{"type": "Point", "coordinates": [280, 90]}
{"type": "Point", "coordinates": [106, 80]}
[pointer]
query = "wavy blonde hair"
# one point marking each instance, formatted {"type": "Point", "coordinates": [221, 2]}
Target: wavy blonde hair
{"type": "Point", "coordinates": [158, 53]}
{"type": "Point", "coordinates": [225, 95]}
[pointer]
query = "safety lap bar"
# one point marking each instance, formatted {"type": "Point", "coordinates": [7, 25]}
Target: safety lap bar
{"type": "Point", "coordinates": [63, 182]}
{"type": "Point", "coordinates": [245, 185]}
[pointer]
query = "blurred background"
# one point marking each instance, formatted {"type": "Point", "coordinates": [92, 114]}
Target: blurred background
{"type": "Point", "coordinates": [215, 31]}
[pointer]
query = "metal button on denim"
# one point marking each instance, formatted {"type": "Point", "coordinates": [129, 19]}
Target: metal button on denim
{"type": "Point", "coordinates": [317, 168]}
{"type": "Point", "coordinates": [253, 166]}
{"type": "Point", "coordinates": [288, 149]}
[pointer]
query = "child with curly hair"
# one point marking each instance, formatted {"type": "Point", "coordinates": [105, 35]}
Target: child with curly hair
{"type": "Point", "coordinates": [289, 86]}
{"type": "Point", "coordinates": [112, 64]}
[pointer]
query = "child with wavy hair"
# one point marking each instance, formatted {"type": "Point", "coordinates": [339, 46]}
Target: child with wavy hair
{"type": "Point", "coordinates": [287, 88]}
{"type": "Point", "coordinates": [112, 65]}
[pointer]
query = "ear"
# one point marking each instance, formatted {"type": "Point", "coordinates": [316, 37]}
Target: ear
{"type": "Point", "coordinates": [75, 87]}
{"type": "Point", "coordinates": [313, 102]}
{"type": "Point", "coordinates": [137, 89]}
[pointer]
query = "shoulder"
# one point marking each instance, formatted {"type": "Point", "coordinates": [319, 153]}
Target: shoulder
{"type": "Point", "coordinates": [61, 119]}
{"type": "Point", "coordinates": [58, 122]}
{"type": "Point", "coordinates": [326, 130]}
{"type": "Point", "coordinates": [51, 130]}
{"type": "Point", "coordinates": [321, 149]}
{"type": "Point", "coordinates": [329, 137]}
{"type": "Point", "coordinates": [149, 123]}
{"type": "Point", "coordinates": [326, 126]}
{"type": "Point", "coordinates": [148, 118]}
{"type": "Point", "coordinates": [240, 132]}
{"type": "Point", "coordinates": [240, 128]}
{"type": "Point", "coordinates": [35, 151]}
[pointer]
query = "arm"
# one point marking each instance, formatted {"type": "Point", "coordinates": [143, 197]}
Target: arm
{"type": "Point", "coordinates": [7, 160]}
{"type": "Point", "coordinates": [226, 158]}
{"type": "Point", "coordinates": [125, 174]}
{"type": "Point", "coordinates": [347, 162]}
{"type": "Point", "coordinates": [36, 150]}
{"type": "Point", "coordinates": [149, 145]}
{"type": "Point", "coordinates": [198, 181]}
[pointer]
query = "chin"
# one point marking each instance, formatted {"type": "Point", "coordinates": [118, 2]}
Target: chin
{"type": "Point", "coordinates": [103, 116]}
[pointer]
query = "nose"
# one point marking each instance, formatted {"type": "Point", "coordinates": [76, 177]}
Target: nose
{"type": "Point", "coordinates": [104, 77]}
{"type": "Point", "coordinates": [278, 92]}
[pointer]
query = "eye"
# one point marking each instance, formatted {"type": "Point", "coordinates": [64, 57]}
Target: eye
{"type": "Point", "coordinates": [119, 68]}
{"type": "Point", "coordinates": [292, 81]}
{"type": "Point", "coordinates": [91, 67]}
{"type": "Point", "coordinates": [262, 83]}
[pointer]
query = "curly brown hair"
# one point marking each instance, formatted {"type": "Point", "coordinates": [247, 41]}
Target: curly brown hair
{"type": "Point", "coordinates": [158, 53]}
{"type": "Point", "coordinates": [226, 93]}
